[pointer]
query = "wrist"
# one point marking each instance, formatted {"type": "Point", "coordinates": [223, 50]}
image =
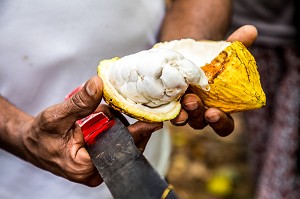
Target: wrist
{"type": "Point", "coordinates": [13, 127]}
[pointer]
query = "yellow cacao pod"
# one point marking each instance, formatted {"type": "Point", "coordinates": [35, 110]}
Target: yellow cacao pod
{"type": "Point", "coordinates": [148, 85]}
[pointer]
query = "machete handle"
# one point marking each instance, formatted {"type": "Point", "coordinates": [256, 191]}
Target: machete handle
{"type": "Point", "coordinates": [124, 169]}
{"type": "Point", "coordinates": [94, 124]}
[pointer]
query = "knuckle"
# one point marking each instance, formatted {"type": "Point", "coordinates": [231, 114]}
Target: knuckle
{"type": "Point", "coordinates": [48, 119]}
{"type": "Point", "coordinates": [78, 101]}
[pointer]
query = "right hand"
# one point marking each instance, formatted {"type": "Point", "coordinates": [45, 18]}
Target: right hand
{"type": "Point", "coordinates": [53, 141]}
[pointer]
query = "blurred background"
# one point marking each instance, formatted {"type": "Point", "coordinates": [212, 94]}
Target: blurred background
{"type": "Point", "coordinates": [204, 165]}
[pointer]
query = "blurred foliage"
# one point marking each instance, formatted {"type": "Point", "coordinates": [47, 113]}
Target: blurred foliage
{"type": "Point", "coordinates": [206, 166]}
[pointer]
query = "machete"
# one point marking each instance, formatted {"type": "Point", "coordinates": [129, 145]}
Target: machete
{"type": "Point", "coordinates": [123, 167]}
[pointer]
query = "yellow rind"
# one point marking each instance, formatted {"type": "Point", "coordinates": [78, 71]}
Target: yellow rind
{"type": "Point", "coordinates": [236, 87]}
{"type": "Point", "coordinates": [137, 111]}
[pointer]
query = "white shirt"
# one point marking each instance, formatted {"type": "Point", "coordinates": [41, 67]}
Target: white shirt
{"type": "Point", "coordinates": [47, 48]}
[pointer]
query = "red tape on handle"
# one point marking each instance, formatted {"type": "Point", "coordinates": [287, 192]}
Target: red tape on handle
{"type": "Point", "coordinates": [94, 124]}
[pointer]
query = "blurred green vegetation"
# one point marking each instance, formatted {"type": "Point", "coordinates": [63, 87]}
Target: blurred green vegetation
{"type": "Point", "coordinates": [206, 166]}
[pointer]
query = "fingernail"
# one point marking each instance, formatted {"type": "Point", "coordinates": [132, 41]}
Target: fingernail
{"type": "Point", "coordinates": [213, 117]}
{"type": "Point", "coordinates": [91, 88]}
{"type": "Point", "coordinates": [181, 123]}
{"type": "Point", "coordinates": [191, 105]}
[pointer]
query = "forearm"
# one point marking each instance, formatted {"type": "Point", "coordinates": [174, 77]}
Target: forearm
{"type": "Point", "coordinates": [197, 19]}
{"type": "Point", "coordinates": [12, 123]}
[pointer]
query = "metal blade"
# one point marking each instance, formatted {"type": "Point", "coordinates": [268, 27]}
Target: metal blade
{"type": "Point", "coordinates": [124, 169]}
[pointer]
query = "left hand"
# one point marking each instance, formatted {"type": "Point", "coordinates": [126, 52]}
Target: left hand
{"type": "Point", "coordinates": [193, 111]}
{"type": "Point", "coordinates": [197, 116]}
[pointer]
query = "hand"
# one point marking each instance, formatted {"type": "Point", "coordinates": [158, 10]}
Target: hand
{"type": "Point", "coordinates": [54, 142]}
{"type": "Point", "coordinates": [197, 116]}
{"type": "Point", "coordinates": [193, 111]}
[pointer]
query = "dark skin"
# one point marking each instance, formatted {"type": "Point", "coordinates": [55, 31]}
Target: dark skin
{"type": "Point", "coordinates": [196, 19]}
{"type": "Point", "coordinates": [54, 142]}
{"type": "Point", "coordinates": [195, 114]}
{"type": "Point", "coordinates": [200, 19]}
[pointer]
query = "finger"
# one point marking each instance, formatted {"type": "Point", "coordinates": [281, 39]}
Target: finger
{"type": "Point", "coordinates": [94, 180]}
{"type": "Point", "coordinates": [62, 116]}
{"type": "Point", "coordinates": [195, 110]}
{"type": "Point", "coordinates": [83, 157]}
{"type": "Point", "coordinates": [82, 103]}
{"type": "Point", "coordinates": [246, 34]}
{"type": "Point", "coordinates": [181, 119]}
{"type": "Point", "coordinates": [222, 123]}
{"type": "Point", "coordinates": [141, 132]}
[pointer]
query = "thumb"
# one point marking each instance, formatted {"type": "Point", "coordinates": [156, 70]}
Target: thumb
{"type": "Point", "coordinates": [141, 132]}
{"type": "Point", "coordinates": [83, 102]}
{"type": "Point", "coordinates": [246, 34]}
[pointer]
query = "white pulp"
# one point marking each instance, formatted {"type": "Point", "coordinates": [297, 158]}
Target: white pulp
{"type": "Point", "coordinates": [155, 77]}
